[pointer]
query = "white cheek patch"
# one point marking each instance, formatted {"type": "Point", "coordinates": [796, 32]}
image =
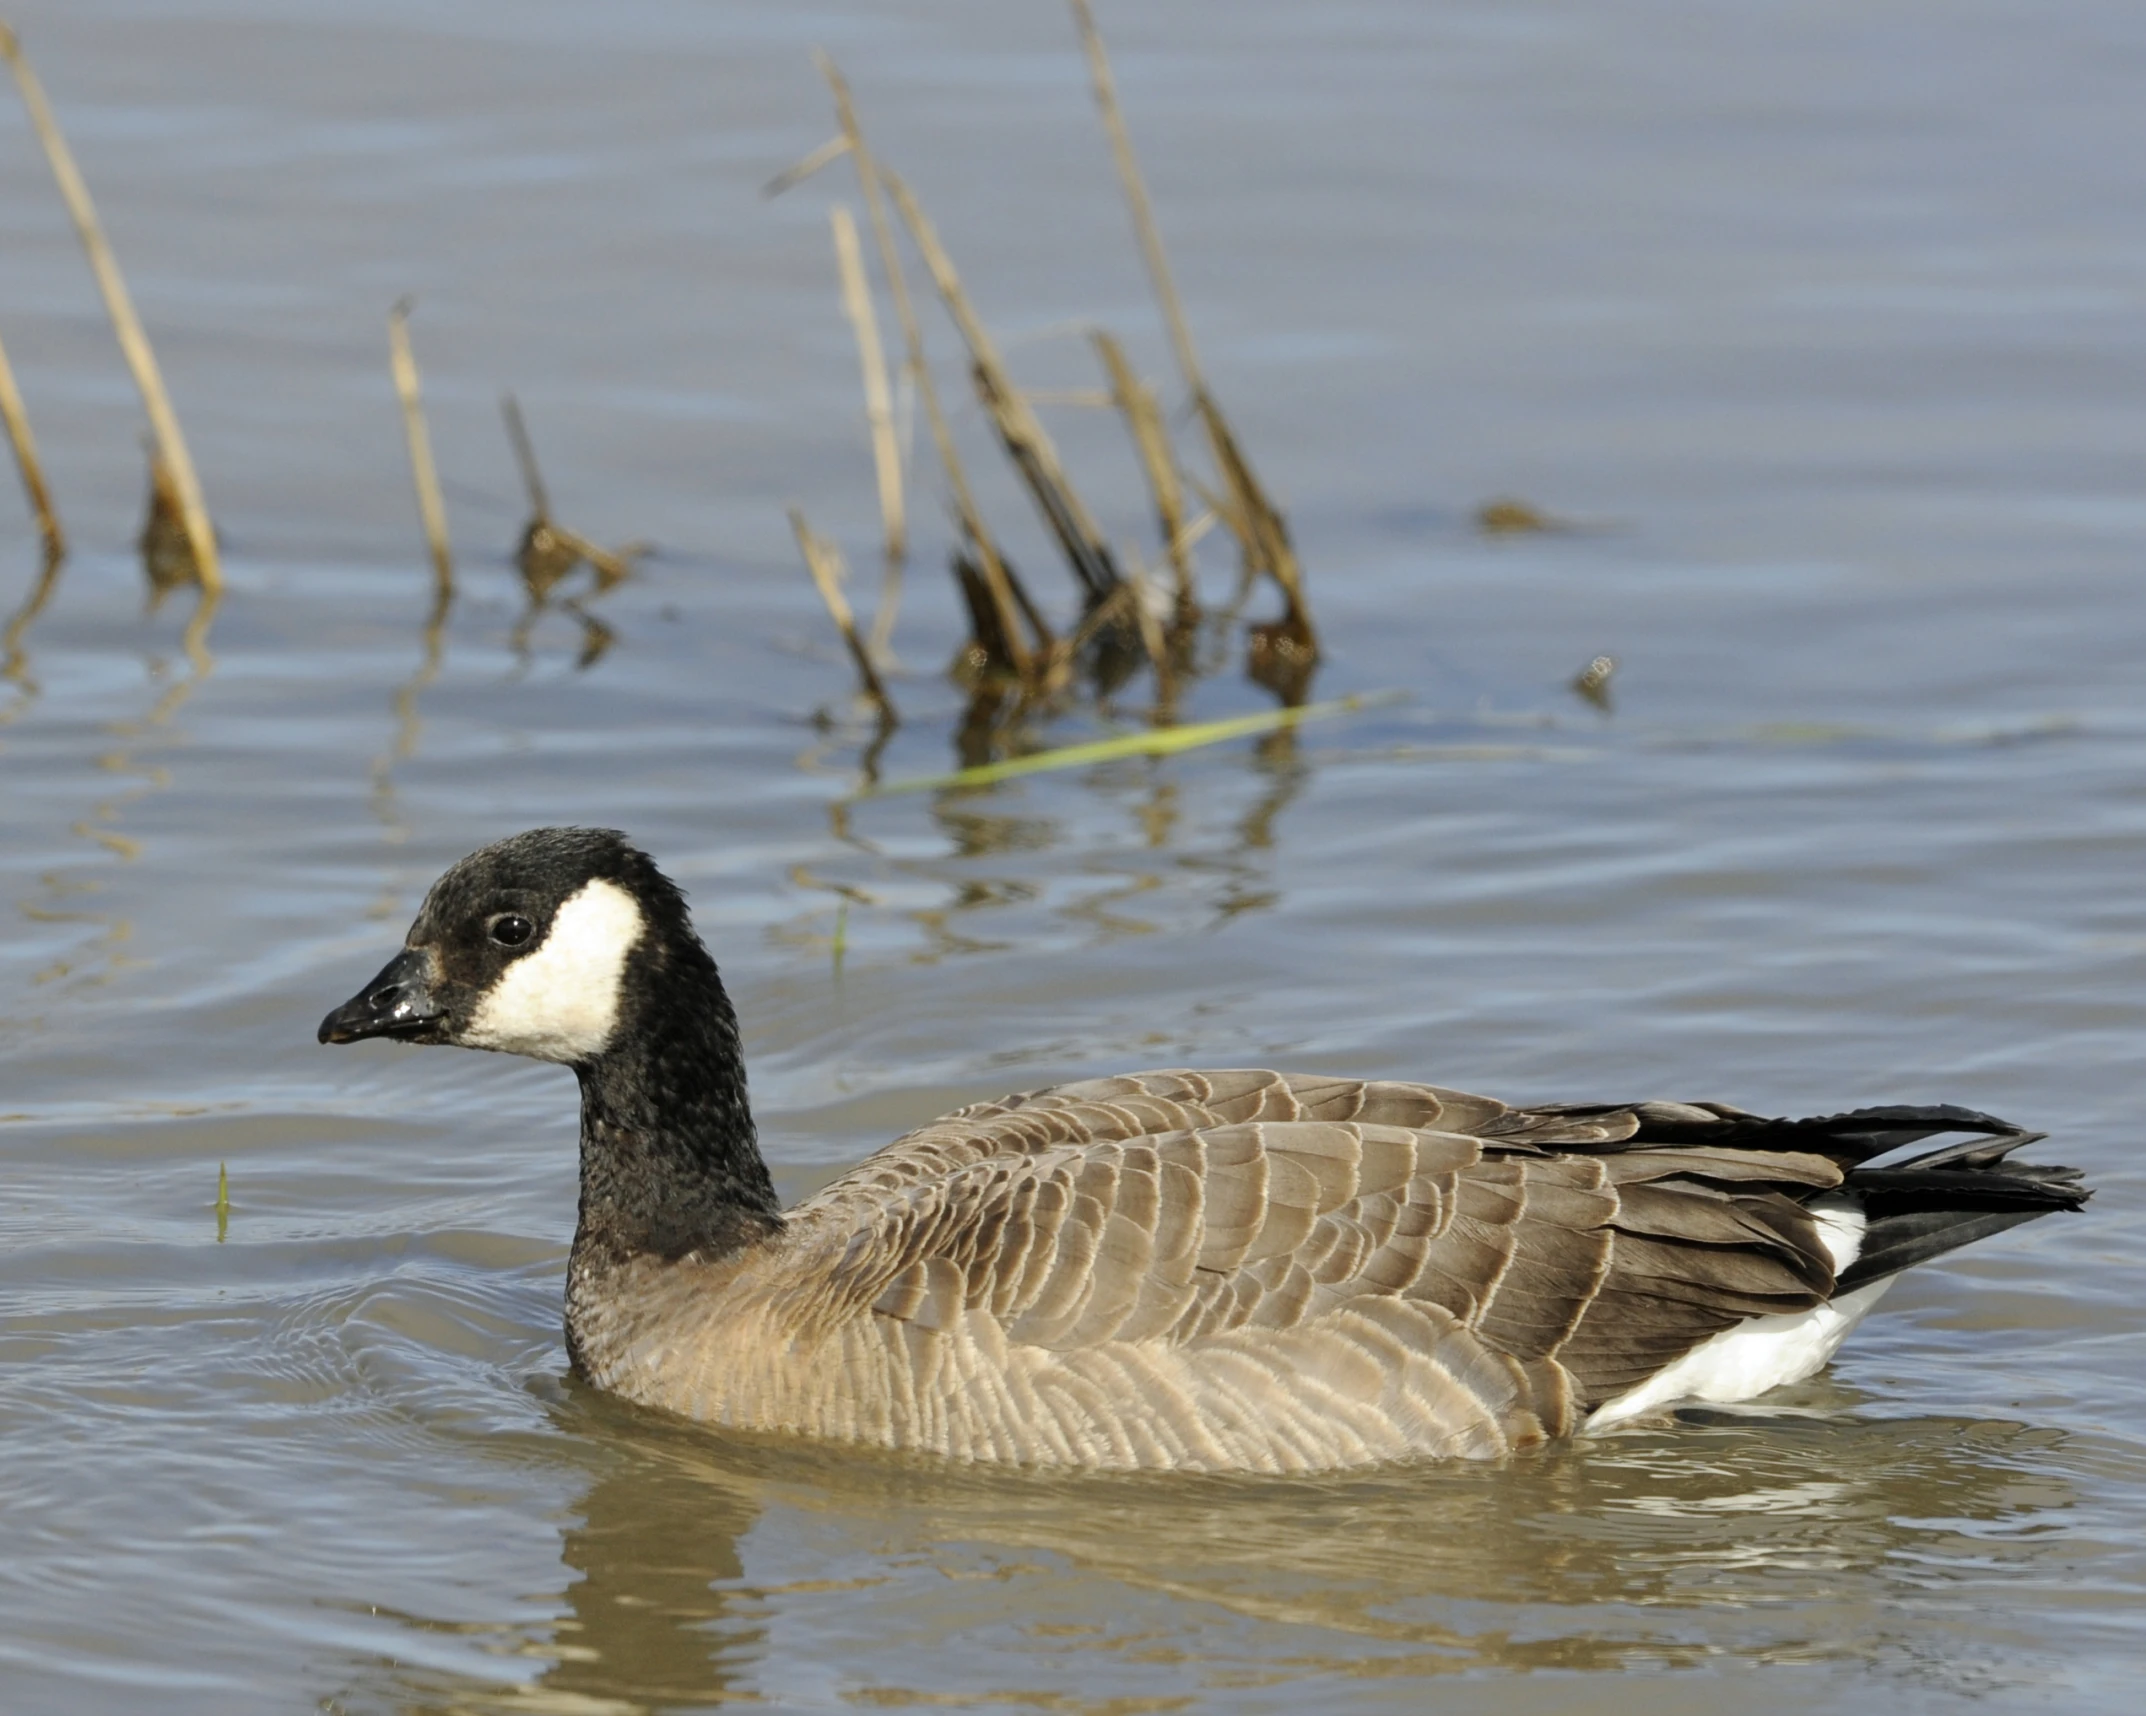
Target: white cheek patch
{"type": "Point", "coordinates": [561, 1002]}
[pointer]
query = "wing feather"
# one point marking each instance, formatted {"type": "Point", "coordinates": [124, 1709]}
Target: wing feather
{"type": "Point", "coordinates": [1543, 1258]}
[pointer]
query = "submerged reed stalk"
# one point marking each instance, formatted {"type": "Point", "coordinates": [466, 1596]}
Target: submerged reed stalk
{"type": "Point", "coordinates": [26, 461]}
{"type": "Point", "coordinates": [824, 561]}
{"type": "Point", "coordinates": [126, 325]}
{"type": "Point", "coordinates": [403, 363]}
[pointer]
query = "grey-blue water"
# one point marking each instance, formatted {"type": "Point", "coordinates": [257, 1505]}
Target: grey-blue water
{"type": "Point", "coordinates": [1828, 326]}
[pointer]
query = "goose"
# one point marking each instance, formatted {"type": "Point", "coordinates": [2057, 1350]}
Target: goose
{"type": "Point", "coordinates": [1236, 1270]}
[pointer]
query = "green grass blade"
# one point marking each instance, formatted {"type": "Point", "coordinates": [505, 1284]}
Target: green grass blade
{"type": "Point", "coordinates": [1152, 742]}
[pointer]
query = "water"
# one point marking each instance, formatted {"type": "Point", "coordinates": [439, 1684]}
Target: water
{"type": "Point", "coordinates": [1825, 323]}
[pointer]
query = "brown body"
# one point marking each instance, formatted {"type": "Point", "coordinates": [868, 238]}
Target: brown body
{"type": "Point", "coordinates": [1221, 1271]}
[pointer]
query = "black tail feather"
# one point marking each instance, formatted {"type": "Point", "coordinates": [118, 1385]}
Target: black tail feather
{"type": "Point", "coordinates": [1976, 1152]}
{"type": "Point", "coordinates": [1854, 1137]}
{"type": "Point", "coordinates": [1898, 1242]}
{"type": "Point", "coordinates": [1865, 1133]}
{"type": "Point", "coordinates": [1944, 1199]}
{"type": "Point", "coordinates": [1916, 1209]}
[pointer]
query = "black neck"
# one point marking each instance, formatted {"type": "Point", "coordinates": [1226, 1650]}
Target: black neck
{"type": "Point", "coordinates": [669, 1161]}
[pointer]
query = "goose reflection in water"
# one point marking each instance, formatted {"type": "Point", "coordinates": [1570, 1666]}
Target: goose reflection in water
{"type": "Point", "coordinates": [1763, 1540]}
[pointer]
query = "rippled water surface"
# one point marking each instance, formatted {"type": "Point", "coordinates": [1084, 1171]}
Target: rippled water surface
{"type": "Point", "coordinates": [1827, 327]}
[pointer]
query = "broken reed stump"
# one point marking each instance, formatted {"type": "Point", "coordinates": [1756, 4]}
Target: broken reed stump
{"type": "Point", "coordinates": [991, 652]}
{"type": "Point", "coordinates": [548, 551]}
{"type": "Point", "coordinates": [824, 561]}
{"type": "Point", "coordinates": [1284, 651]}
{"type": "Point", "coordinates": [541, 556]}
{"type": "Point", "coordinates": [26, 462]}
{"type": "Point", "coordinates": [171, 454]}
{"type": "Point", "coordinates": [431, 509]}
{"type": "Point", "coordinates": [167, 551]}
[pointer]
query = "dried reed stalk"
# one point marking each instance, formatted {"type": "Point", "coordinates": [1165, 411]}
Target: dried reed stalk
{"type": "Point", "coordinates": [613, 565]}
{"type": "Point", "coordinates": [1020, 431]}
{"type": "Point", "coordinates": [548, 550]}
{"type": "Point", "coordinates": [402, 363]}
{"type": "Point", "coordinates": [1136, 193]}
{"type": "Point", "coordinates": [1254, 519]}
{"type": "Point", "coordinates": [26, 461]}
{"type": "Point", "coordinates": [878, 405]}
{"type": "Point", "coordinates": [824, 561]}
{"type": "Point", "coordinates": [998, 581]}
{"type": "Point", "coordinates": [126, 325]}
{"type": "Point", "coordinates": [525, 457]}
{"type": "Point", "coordinates": [798, 172]}
{"type": "Point", "coordinates": [1261, 529]}
{"type": "Point", "coordinates": [543, 556]}
{"type": "Point", "coordinates": [1151, 439]}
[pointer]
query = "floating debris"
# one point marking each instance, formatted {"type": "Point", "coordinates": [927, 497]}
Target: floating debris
{"type": "Point", "coordinates": [1593, 682]}
{"type": "Point", "coordinates": [1507, 516]}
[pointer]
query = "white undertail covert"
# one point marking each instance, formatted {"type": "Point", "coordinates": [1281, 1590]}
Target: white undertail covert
{"type": "Point", "coordinates": [1764, 1352]}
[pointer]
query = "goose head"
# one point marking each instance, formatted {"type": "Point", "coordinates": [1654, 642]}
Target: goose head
{"type": "Point", "coordinates": [540, 945]}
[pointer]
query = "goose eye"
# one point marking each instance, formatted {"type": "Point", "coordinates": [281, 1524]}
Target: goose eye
{"type": "Point", "coordinates": [510, 929]}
